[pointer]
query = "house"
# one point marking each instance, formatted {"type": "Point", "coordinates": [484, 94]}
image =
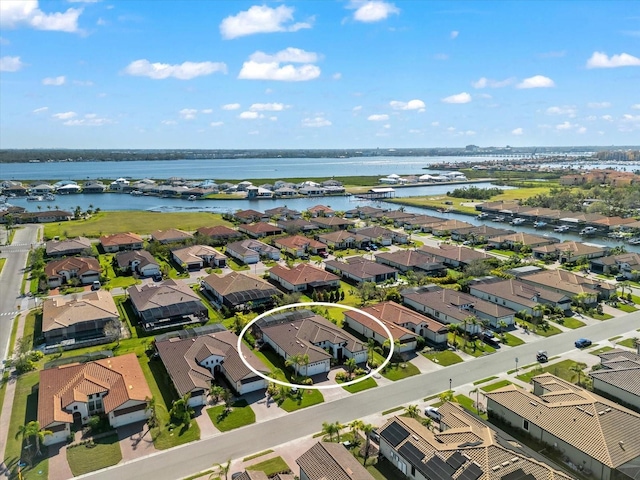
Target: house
{"type": "Point", "coordinates": [414, 260]}
{"type": "Point", "coordinates": [72, 394]}
{"type": "Point", "coordinates": [627, 264]}
{"type": "Point", "coordinates": [598, 436]}
{"type": "Point", "coordinates": [258, 192]}
{"type": "Point", "coordinates": [397, 217]}
{"type": "Point", "coordinates": [260, 230]}
{"type": "Point", "coordinates": [167, 304]}
{"type": "Point", "coordinates": [302, 332]}
{"type": "Point", "coordinates": [44, 216]}
{"type": "Point", "coordinates": [328, 460]}
{"type": "Point", "coordinates": [444, 228]}
{"type": "Point", "coordinates": [299, 246]}
{"type": "Point", "coordinates": [360, 270]}
{"type": "Point", "coordinates": [365, 212]}
{"type": "Point", "coordinates": [383, 236]}
{"type": "Point", "coordinates": [60, 272]}
{"type": "Point", "coordinates": [303, 277]}
{"type": "Point", "coordinates": [454, 256]}
{"type": "Point", "coordinates": [173, 235]}
{"type": "Point", "coordinates": [449, 306]}
{"type": "Point", "coordinates": [298, 225]}
{"type": "Point", "coordinates": [251, 251]}
{"type": "Point", "coordinates": [42, 189]}
{"type": "Point", "coordinates": [239, 291]}
{"type": "Point", "coordinates": [250, 216]}
{"type": "Point", "coordinates": [219, 234]}
{"type": "Point", "coordinates": [196, 257]}
{"type": "Point", "coordinates": [520, 239]}
{"type": "Point", "coordinates": [332, 223]}
{"type": "Point", "coordinates": [75, 318]}
{"type": "Point", "coordinates": [619, 377]}
{"type": "Point", "coordinates": [519, 296]}
{"type": "Point", "coordinates": [193, 363]}
{"type": "Point", "coordinates": [463, 448]}
{"type": "Point", "coordinates": [570, 284]}
{"type": "Point", "coordinates": [119, 242]}
{"type": "Point", "coordinates": [65, 248]}
{"type": "Point", "coordinates": [255, 475]}
{"type": "Point", "coordinates": [479, 234]}
{"type": "Point", "coordinates": [285, 192]}
{"type": "Point", "coordinates": [283, 213]}
{"type": "Point", "coordinates": [370, 329]}
{"type": "Point", "coordinates": [342, 239]}
{"type": "Point", "coordinates": [570, 252]}
{"type": "Point", "coordinates": [320, 211]}
{"type": "Point", "coordinates": [139, 262]}
{"type": "Point", "coordinates": [418, 222]}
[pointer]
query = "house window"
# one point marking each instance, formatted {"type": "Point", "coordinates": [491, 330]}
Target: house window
{"type": "Point", "coordinates": [525, 425]}
{"type": "Point", "coordinates": [75, 407]}
{"type": "Point", "coordinates": [413, 471]}
{"type": "Point", "coordinates": [437, 314]}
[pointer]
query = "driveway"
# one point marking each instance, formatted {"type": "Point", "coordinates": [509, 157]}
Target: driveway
{"type": "Point", "coordinates": [58, 465]}
{"type": "Point", "coordinates": [135, 441]}
{"type": "Point", "coordinates": [264, 411]}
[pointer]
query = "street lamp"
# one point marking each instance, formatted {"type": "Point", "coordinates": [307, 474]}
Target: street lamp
{"type": "Point", "coordinates": [516, 364]}
{"type": "Point", "coordinates": [449, 384]}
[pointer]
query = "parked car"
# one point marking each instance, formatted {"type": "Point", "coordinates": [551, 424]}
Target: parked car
{"type": "Point", "coordinates": [375, 436]}
{"type": "Point", "coordinates": [542, 356]}
{"type": "Point", "coordinates": [582, 343]}
{"type": "Point", "coordinates": [620, 278]}
{"type": "Point", "coordinates": [323, 254]}
{"type": "Point", "coordinates": [95, 285]}
{"type": "Point", "coordinates": [489, 338]}
{"type": "Point", "coordinates": [433, 413]}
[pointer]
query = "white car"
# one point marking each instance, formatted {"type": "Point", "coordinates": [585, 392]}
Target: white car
{"type": "Point", "coordinates": [433, 413]}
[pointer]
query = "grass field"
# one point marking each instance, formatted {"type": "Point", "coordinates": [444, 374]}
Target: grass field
{"type": "Point", "coordinates": [626, 308]}
{"type": "Point", "coordinates": [2, 262]}
{"type": "Point", "coordinates": [495, 386]}
{"type": "Point", "coordinates": [104, 453]}
{"type": "Point", "coordinates": [628, 342]}
{"type": "Point", "coordinates": [571, 322]}
{"type": "Point", "coordinates": [468, 404]}
{"type": "Point", "coordinates": [484, 380]}
{"type": "Point", "coordinates": [561, 369]}
{"type": "Point", "coordinates": [600, 350]}
{"type": "Point", "coordinates": [444, 358]}
{"type": "Point", "coordinates": [240, 415]}
{"type": "Point", "coordinates": [550, 331]}
{"type": "Point", "coordinates": [138, 221]}
{"type": "Point", "coordinates": [475, 348]}
{"type": "Point", "coordinates": [511, 340]}
{"type": "Point", "coordinates": [360, 386]}
{"type": "Point", "coordinates": [399, 371]}
{"type": "Point", "coordinates": [271, 467]}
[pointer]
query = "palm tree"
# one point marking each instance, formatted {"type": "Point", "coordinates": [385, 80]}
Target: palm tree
{"type": "Point", "coordinates": [216, 391]}
{"type": "Point", "coordinates": [32, 429]}
{"type": "Point", "coordinates": [471, 319]}
{"type": "Point", "coordinates": [412, 411]}
{"type": "Point", "coordinates": [330, 429]}
{"type": "Point", "coordinates": [447, 396]}
{"type": "Point", "coordinates": [221, 470]}
{"type": "Point", "coordinates": [576, 367]}
{"type": "Point", "coordinates": [366, 429]}
{"type": "Point", "coordinates": [297, 361]}
{"type": "Point", "coordinates": [339, 427]}
{"type": "Point", "coordinates": [181, 411]}
{"type": "Point", "coordinates": [453, 328]}
{"type": "Point", "coordinates": [351, 365]}
{"type": "Point", "coordinates": [151, 410]}
{"type": "Point", "coordinates": [371, 345]}
{"type": "Point", "coordinates": [538, 311]}
{"type": "Point", "coordinates": [427, 422]}
{"type": "Point", "coordinates": [502, 325]}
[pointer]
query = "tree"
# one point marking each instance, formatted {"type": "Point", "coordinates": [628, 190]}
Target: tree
{"type": "Point", "coordinates": [412, 411]}
{"type": "Point", "coordinates": [366, 429]}
{"type": "Point", "coordinates": [577, 368]}
{"type": "Point", "coordinates": [181, 411]}
{"type": "Point", "coordinates": [538, 311]}
{"type": "Point", "coordinates": [216, 391]}
{"type": "Point", "coordinates": [428, 422]}
{"type": "Point", "coordinates": [32, 429]}
{"type": "Point", "coordinates": [297, 361]}
{"type": "Point", "coordinates": [447, 396]}
{"type": "Point", "coordinates": [221, 470]}
{"type": "Point", "coordinates": [227, 398]}
{"type": "Point", "coordinates": [150, 408]}
{"type": "Point", "coordinates": [471, 319]}
{"type": "Point", "coordinates": [366, 291]}
{"type": "Point", "coordinates": [371, 346]}
{"type": "Point", "coordinates": [351, 365]}
{"type": "Point", "coordinates": [112, 330]}
{"type": "Point", "coordinates": [330, 429]}
{"type": "Point", "coordinates": [453, 328]}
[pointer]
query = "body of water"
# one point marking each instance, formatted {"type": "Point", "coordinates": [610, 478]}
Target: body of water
{"type": "Point", "coordinates": [228, 169]}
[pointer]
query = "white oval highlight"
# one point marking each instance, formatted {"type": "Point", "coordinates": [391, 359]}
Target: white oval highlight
{"type": "Point", "coordinates": [315, 387]}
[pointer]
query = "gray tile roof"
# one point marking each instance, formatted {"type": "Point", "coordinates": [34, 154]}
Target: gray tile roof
{"type": "Point", "coordinates": [331, 461]}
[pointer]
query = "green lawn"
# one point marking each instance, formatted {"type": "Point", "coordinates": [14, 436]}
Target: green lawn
{"type": "Point", "coordinates": [240, 415]}
{"type": "Point", "coordinates": [444, 358]}
{"type": "Point", "coordinates": [233, 264]}
{"type": "Point", "coordinates": [612, 339]}
{"type": "Point", "coordinates": [484, 380]}
{"type": "Point", "coordinates": [399, 371]}
{"type": "Point", "coordinates": [561, 369]}
{"type": "Point", "coordinates": [600, 316]}
{"type": "Point", "coordinates": [571, 322]}
{"type": "Point", "coordinates": [495, 386]}
{"type": "Point", "coordinates": [104, 453]}
{"type": "Point", "coordinates": [475, 348]}
{"type": "Point", "coordinates": [138, 221]}
{"type": "Point", "coordinates": [256, 455]}
{"type": "Point", "coordinates": [511, 340]}
{"type": "Point", "coordinates": [468, 404]}
{"type": "Point", "coordinates": [548, 332]}
{"type": "Point", "coordinates": [626, 308]}
{"type": "Point", "coordinates": [271, 467]}
{"type": "Point", "coordinates": [360, 386]}
{"type": "Point", "coordinates": [304, 398]}
{"type": "Point", "coordinates": [600, 350]}
{"type": "Point", "coordinates": [627, 342]}
{"type": "Point", "coordinates": [2, 262]}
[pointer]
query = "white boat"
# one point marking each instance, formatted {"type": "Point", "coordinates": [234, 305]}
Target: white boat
{"type": "Point", "coordinates": [499, 218]}
{"type": "Point", "coordinates": [49, 197]}
{"type": "Point", "coordinates": [35, 198]}
{"type": "Point", "coordinates": [483, 215]}
{"type": "Point", "coordinates": [192, 198]}
{"type": "Point", "coordinates": [634, 241]}
{"type": "Point", "coordinates": [561, 228]}
{"type": "Point", "coordinates": [136, 193]}
{"type": "Point", "coordinates": [518, 221]}
{"type": "Point", "coordinates": [588, 231]}
{"type": "Point", "coordinates": [539, 224]}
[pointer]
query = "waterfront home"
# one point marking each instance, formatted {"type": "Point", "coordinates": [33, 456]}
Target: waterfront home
{"type": "Point", "coordinates": [302, 332]}
{"type": "Point", "coordinates": [250, 251]}
{"type": "Point", "coordinates": [260, 230]}
{"type": "Point", "coordinates": [417, 222]}
{"type": "Point", "coordinates": [519, 296]}
{"type": "Point", "coordinates": [570, 284]}
{"type": "Point", "coordinates": [449, 306]}
{"type": "Point", "coordinates": [173, 235]}
{"type": "Point", "coordinates": [303, 277]}
{"type": "Point", "coordinates": [68, 188]}
{"type": "Point", "coordinates": [93, 186]}
{"type": "Point", "coordinates": [282, 213]}
{"type": "Point", "coordinates": [365, 212]}
{"type": "Point", "coordinates": [619, 377]}
{"type": "Point", "coordinates": [310, 191]}
{"type": "Point", "coordinates": [199, 192]}
{"type": "Point", "coordinates": [84, 270]}
{"type": "Point", "coordinates": [454, 256]}
{"type": "Point", "coordinates": [397, 217]}
{"type": "Point", "coordinates": [299, 246]}
{"type": "Point", "coordinates": [240, 291]}
{"type": "Point", "coordinates": [285, 192]}
{"type": "Point", "coordinates": [119, 242]}
{"type": "Point", "coordinates": [613, 222]}
{"type": "Point", "coordinates": [444, 228]}
{"type": "Point", "coordinates": [44, 216]}
{"type": "Point", "coordinates": [119, 185]}
{"type": "Point", "coordinates": [139, 262]}
{"type": "Point", "coordinates": [569, 252]}
{"type": "Point", "coordinates": [250, 216]}
{"type": "Point", "coordinates": [517, 240]}
{"type": "Point", "coordinates": [16, 190]}
{"type": "Point", "coordinates": [258, 192]}
{"type": "Point", "coordinates": [342, 239]}
{"type": "Point", "coordinates": [194, 363]}
{"type": "Point", "coordinates": [414, 260]}
{"type": "Point", "coordinates": [332, 223]}
{"type": "Point", "coordinates": [360, 270]}
{"type": "Point", "coordinates": [72, 394]}
{"type": "Point", "coordinates": [219, 234]}
{"type": "Point", "coordinates": [243, 186]}
{"type": "Point", "coordinates": [479, 234]}
{"type": "Point", "coordinates": [77, 317]}
{"type": "Point", "coordinates": [41, 189]}
{"type": "Point", "coordinates": [594, 433]}
{"type": "Point", "coordinates": [196, 257]}
{"type": "Point", "coordinates": [321, 211]}
{"type": "Point", "coordinates": [627, 264]}
{"type": "Point", "coordinates": [462, 447]}
{"type": "Point", "coordinates": [298, 225]}
{"type": "Point", "coordinates": [497, 207]}
{"type": "Point", "coordinates": [167, 304]}
{"type": "Point", "coordinates": [71, 246]}
{"type": "Point", "coordinates": [326, 460]}
{"type": "Point", "coordinates": [382, 236]}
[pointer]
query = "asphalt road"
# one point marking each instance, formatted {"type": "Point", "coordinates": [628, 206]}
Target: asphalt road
{"type": "Point", "coordinates": [11, 279]}
{"type": "Point", "coordinates": [188, 459]}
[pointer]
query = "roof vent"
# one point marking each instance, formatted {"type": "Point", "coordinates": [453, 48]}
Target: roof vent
{"type": "Point", "coordinates": [607, 409]}
{"type": "Point", "coordinates": [496, 468]}
{"type": "Point", "coordinates": [621, 443]}
{"type": "Point", "coordinates": [505, 464]}
{"type": "Point", "coordinates": [533, 403]}
{"type": "Point", "coordinates": [601, 412]}
{"type": "Point", "coordinates": [515, 459]}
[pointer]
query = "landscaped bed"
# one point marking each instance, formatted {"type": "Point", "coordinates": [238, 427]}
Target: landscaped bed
{"type": "Point", "coordinates": [100, 453]}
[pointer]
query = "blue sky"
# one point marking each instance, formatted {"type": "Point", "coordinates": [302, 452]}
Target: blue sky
{"type": "Point", "coordinates": [318, 74]}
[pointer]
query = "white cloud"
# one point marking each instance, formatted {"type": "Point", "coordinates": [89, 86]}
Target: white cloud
{"type": "Point", "coordinates": [372, 11]}
{"type": "Point", "coordinates": [207, 111]}
{"type": "Point", "coordinates": [607, 118]}
{"type": "Point", "coordinates": [599, 104]}
{"type": "Point", "coordinates": [537, 81]}
{"type": "Point", "coordinates": [183, 71]}
{"type": "Point", "coordinates": [484, 82]}
{"type": "Point", "coordinates": [517, 131]}
{"type": "Point", "coordinates": [316, 122]}
{"type": "Point", "coordinates": [336, 76]}
{"type": "Point", "coordinates": [216, 124]}
{"type": "Point", "coordinates": [64, 115]}
{"type": "Point", "coordinates": [168, 122]}
{"type": "Point", "coordinates": [378, 117]}
{"type": "Point", "coordinates": [288, 55]}
{"type": "Point", "coordinates": [565, 126]}
{"type": "Point", "coordinates": [4, 41]}
{"type": "Point", "coordinates": [410, 105]}
{"type": "Point", "coordinates": [273, 71]}
{"type": "Point", "coordinates": [273, 118]}
{"type": "Point", "coordinates": [463, 97]}
{"type": "Point", "coordinates": [231, 106]}
{"type": "Point", "coordinates": [260, 19]}
{"type": "Point", "coordinates": [569, 110]}
{"type": "Point", "coordinates": [41, 110]}
{"type": "Point", "coordinates": [470, 133]}
{"type": "Point", "coordinates": [601, 60]}
{"type": "Point", "coordinates": [250, 115]}
{"type": "Point", "coordinates": [10, 64]}
{"type": "Point", "coordinates": [89, 120]}
{"type": "Point", "coordinates": [582, 130]}
{"type": "Point", "coordinates": [454, 34]}
{"type": "Point", "coordinates": [268, 107]}
{"type": "Point", "coordinates": [591, 118]}
{"type": "Point", "coordinates": [83, 83]}
{"type": "Point", "coordinates": [414, 130]}
{"type": "Point", "coordinates": [188, 113]}
{"type": "Point", "coordinates": [636, 106]}
{"type": "Point", "coordinates": [54, 81]}
{"type": "Point", "coordinates": [14, 14]}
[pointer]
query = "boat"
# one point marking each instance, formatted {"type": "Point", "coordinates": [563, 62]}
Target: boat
{"type": "Point", "coordinates": [192, 198]}
{"type": "Point", "coordinates": [539, 224]}
{"type": "Point", "coordinates": [588, 231]}
{"type": "Point", "coordinates": [634, 241]}
{"type": "Point", "coordinates": [35, 198]}
{"type": "Point", "coordinates": [518, 221]}
{"type": "Point", "coordinates": [499, 218]}
{"type": "Point", "coordinates": [483, 215]}
{"type": "Point", "coordinates": [136, 193]}
{"type": "Point", "coordinates": [49, 197]}
{"type": "Point", "coordinates": [561, 228]}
